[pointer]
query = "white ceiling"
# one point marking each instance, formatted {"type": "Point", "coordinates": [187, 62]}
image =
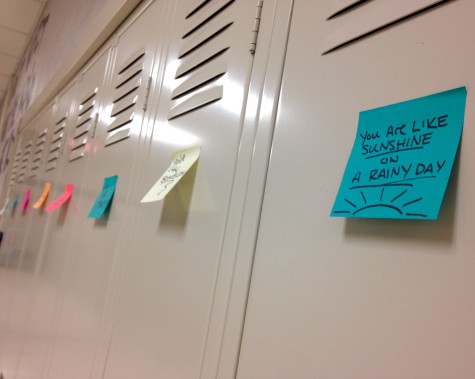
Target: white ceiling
{"type": "Point", "coordinates": [17, 21]}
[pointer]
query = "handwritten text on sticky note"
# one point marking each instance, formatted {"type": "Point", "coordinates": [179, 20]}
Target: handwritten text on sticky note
{"type": "Point", "coordinates": [181, 163]}
{"type": "Point", "coordinates": [105, 197]}
{"type": "Point", "coordinates": [402, 158]}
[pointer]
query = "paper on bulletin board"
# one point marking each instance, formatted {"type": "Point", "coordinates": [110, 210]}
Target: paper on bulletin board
{"type": "Point", "coordinates": [402, 158]}
{"type": "Point", "coordinates": [25, 201]}
{"type": "Point", "coordinates": [105, 197]}
{"type": "Point", "coordinates": [63, 198]}
{"type": "Point", "coordinates": [43, 196]}
{"type": "Point", "coordinates": [181, 163]}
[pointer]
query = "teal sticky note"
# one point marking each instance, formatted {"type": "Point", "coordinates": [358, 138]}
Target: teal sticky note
{"type": "Point", "coordinates": [105, 197]}
{"type": "Point", "coordinates": [13, 203]}
{"type": "Point", "coordinates": [402, 157]}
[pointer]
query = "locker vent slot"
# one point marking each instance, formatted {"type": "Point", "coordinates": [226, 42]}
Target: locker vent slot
{"type": "Point", "coordinates": [196, 7]}
{"type": "Point", "coordinates": [134, 59]}
{"type": "Point", "coordinates": [125, 103]}
{"type": "Point", "coordinates": [38, 154]}
{"type": "Point", "coordinates": [84, 123]}
{"type": "Point", "coordinates": [203, 58]}
{"type": "Point", "coordinates": [386, 19]}
{"type": "Point", "coordinates": [347, 8]}
{"type": "Point", "coordinates": [204, 13]}
{"type": "Point", "coordinates": [43, 134]}
{"type": "Point", "coordinates": [15, 167]}
{"type": "Point", "coordinates": [24, 162]}
{"type": "Point", "coordinates": [57, 142]}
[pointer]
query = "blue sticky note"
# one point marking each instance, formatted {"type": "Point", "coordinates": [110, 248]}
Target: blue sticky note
{"type": "Point", "coordinates": [402, 157]}
{"type": "Point", "coordinates": [105, 197]}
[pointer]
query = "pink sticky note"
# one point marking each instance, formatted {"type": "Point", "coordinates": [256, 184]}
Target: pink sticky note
{"type": "Point", "coordinates": [25, 202]}
{"type": "Point", "coordinates": [64, 197]}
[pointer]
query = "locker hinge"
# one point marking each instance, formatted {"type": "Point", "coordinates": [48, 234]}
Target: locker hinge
{"type": "Point", "coordinates": [255, 29]}
{"type": "Point", "coordinates": [96, 120]}
{"type": "Point", "coordinates": [147, 93]}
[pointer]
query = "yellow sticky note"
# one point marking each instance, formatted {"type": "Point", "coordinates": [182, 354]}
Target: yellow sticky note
{"type": "Point", "coordinates": [43, 197]}
{"type": "Point", "coordinates": [181, 162]}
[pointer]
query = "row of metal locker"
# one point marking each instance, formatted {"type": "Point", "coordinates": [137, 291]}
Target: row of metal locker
{"type": "Point", "coordinates": [241, 272]}
{"type": "Point", "coordinates": [143, 292]}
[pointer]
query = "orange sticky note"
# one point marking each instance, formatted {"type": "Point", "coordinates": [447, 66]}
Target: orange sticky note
{"type": "Point", "coordinates": [43, 197]}
{"type": "Point", "coordinates": [63, 198]}
{"type": "Point", "coordinates": [25, 202]}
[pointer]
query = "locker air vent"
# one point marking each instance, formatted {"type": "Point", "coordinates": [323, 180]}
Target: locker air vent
{"type": "Point", "coordinates": [125, 98]}
{"type": "Point", "coordinates": [345, 7]}
{"type": "Point", "coordinates": [15, 167]}
{"type": "Point", "coordinates": [57, 140]}
{"type": "Point", "coordinates": [38, 154]}
{"type": "Point", "coordinates": [84, 123]}
{"type": "Point", "coordinates": [353, 20]}
{"type": "Point", "coordinates": [205, 41]}
{"type": "Point", "coordinates": [24, 162]}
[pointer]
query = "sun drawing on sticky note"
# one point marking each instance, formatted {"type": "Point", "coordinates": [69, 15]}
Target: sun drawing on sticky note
{"type": "Point", "coordinates": [393, 198]}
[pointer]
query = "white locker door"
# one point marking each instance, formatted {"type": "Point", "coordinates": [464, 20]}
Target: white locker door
{"type": "Point", "coordinates": [35, 282]}
{"type": "Point", "coordinates": [336, 298]}
{"type": "Point", "coordinates": [97, 246]}
{"type": "Point", "coordinates": [15, 232]}
{"type": "Point", "coordinates": [10, 343]}
{"type": "Point", "coordinates": [67, 221]}
{"type": "Point", "coordinates": [14, 306]}
{"type": "Point", "coordinates": [15, 220]}
{"type": "Point", "coordinates": [170, 292]}
{"type": "Point", "coordinates": [48, 263]}
{"type": "Point", "coordinates": [8, 217]}
{"type": "Point", "coordinates": [33, 232]}
{"type": "Point", "coordinates": [31, 358]}
{"type": "Point", "coordinates": [41, 271]}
